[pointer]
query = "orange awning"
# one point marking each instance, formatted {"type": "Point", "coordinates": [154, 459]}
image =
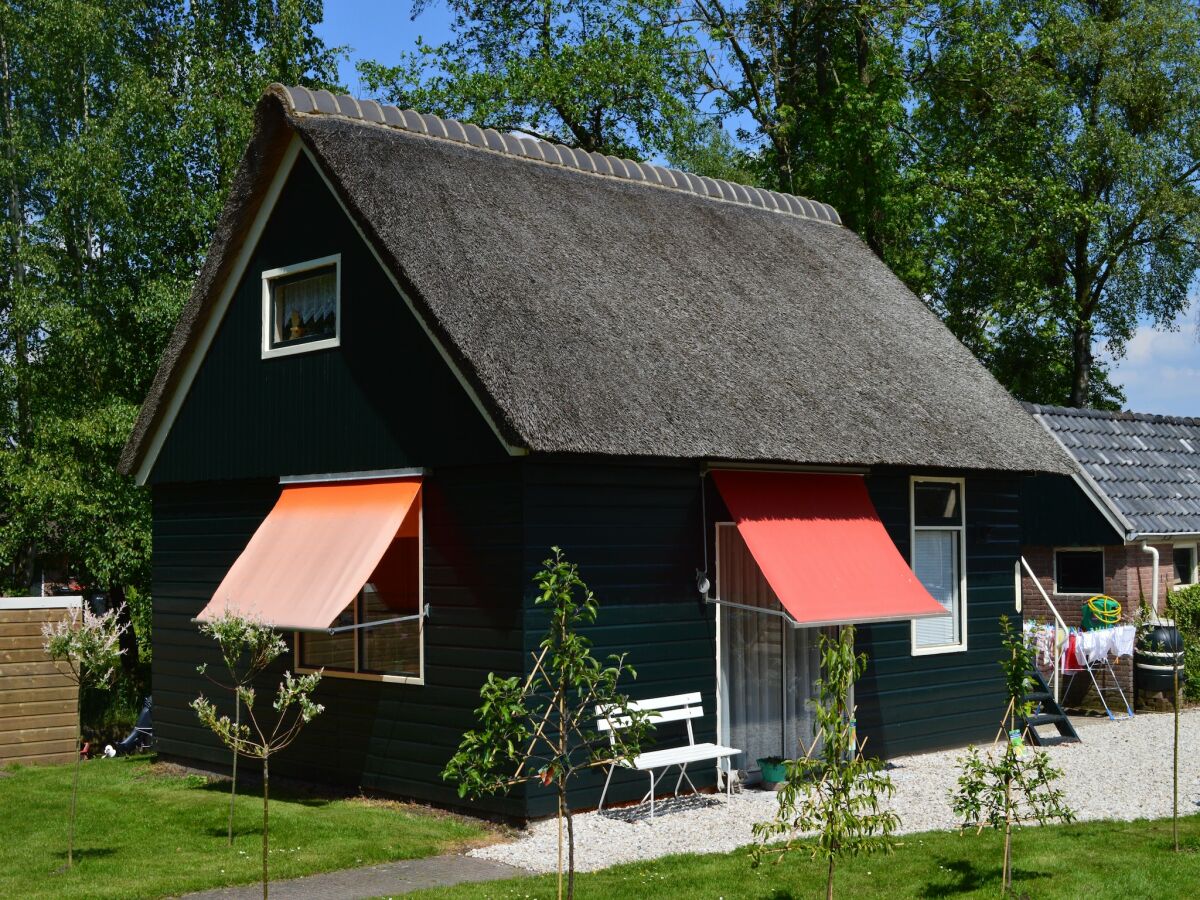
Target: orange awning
{"type": "Point", "coordinates": [315, 551]}
{"type": "Point", "coordinates": [822, 548]}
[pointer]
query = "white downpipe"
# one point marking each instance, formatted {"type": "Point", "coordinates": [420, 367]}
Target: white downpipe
{"type": "Point", "coordinates": [1153, 551]}
{"type": "Point", "coordinates": [1059, 625]}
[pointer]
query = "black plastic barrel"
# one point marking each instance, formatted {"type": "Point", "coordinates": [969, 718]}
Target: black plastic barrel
{"type": "Point", "coordinates": [1159, 650]}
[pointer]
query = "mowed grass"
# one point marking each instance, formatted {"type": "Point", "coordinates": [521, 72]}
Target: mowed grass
{"type": "Point", "coordinates": [148, 830]}
{"type": "Point", "coordinates": [1094, 860]}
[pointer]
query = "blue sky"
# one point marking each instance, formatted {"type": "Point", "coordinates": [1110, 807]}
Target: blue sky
{"type": "Point", "coordinates": [1160, 371]}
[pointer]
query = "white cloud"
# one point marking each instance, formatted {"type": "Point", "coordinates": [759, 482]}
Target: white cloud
{"type": "Point", "coordinates": [1160, 371]}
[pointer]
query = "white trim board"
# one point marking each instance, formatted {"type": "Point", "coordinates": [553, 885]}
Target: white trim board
{"type": "Point", "coordinates": [191, 366]}
{"type": "Point", "coordinates": [72, 601]}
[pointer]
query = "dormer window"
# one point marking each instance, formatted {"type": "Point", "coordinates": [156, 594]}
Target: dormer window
{"type": "Point", "coordinates": [302, 307]}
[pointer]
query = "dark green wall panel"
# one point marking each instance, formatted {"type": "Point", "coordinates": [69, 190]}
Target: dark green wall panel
{"type": "Point", "coordinates": [1055, 512]}
{"type": "Point", "coordinates": [383, 399]}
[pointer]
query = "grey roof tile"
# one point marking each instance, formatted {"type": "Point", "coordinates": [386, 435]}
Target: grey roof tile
{"type": "Point", "coordinates": [1148, 466]}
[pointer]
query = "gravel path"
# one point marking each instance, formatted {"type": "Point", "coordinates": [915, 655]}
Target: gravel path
{"type": "Point", "coordinates": [1117, 755]}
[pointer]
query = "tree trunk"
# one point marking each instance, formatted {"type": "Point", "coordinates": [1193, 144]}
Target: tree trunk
{"type": "Point", "coordinates": [1081, 376]}
{"type": "Point", "coordinates": [570, 849]}
{"type": "Point", "coordinates": [129, 643]}
{"type": "Point", "coordinates": [1175, 768]}
{"type": "Point", "coordinates": [237, 721]}
{"type": "Point", "coordinates": [560, 842]}
{"type": "Point", "coordinates": [75, 784]}
{"type": "Point", "coordinates": [829, 881]}
{"type": "Point", "coordinates": [1006, 874]}
{"type": "Point", "coordinates": [266, 825]}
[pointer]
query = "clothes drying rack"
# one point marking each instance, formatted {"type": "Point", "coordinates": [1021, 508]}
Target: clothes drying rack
{"type": "Point", "coordinates": [1074, 664]}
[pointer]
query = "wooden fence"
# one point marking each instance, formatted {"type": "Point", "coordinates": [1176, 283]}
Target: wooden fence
{"type": "Point", "coordinates": [38, 703]}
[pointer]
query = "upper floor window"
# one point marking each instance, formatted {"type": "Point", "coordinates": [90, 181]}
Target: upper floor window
{"type": "Point", "coordinates": [302, 307]}
{"type": "Point", "coordinates": [1079, 572]}
{"type": "Point", "coordinates": [939, 561]}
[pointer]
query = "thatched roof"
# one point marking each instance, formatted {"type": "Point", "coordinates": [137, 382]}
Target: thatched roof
{"type": "Point", "coordinates": [606, 307]}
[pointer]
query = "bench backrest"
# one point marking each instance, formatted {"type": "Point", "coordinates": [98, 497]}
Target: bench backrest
{"type": "Point", "coordinates": [676, 708]}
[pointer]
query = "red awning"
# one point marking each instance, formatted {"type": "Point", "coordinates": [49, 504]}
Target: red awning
{"type": "Point", "coordinates": [822, 548]}
{"type": "Point", "coordinates": [314, 552]}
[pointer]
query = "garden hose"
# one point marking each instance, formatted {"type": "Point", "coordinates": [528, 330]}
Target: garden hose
{"type": "Point", "coordinates": [1105, 612]}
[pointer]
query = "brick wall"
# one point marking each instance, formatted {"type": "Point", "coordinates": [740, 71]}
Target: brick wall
{"type": "Point", "coordinates": [1128, 575]}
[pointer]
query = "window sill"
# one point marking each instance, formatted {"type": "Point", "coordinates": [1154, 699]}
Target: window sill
{"type": "Point", "coordinates": [307, 347]}
{"type": "Point", "coordinates": [939, 650]}
{"type": "Point", "coordinates": [364, 676]}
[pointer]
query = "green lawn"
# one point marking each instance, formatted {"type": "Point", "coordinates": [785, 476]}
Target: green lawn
{"type": "Point", "coordinates": [147, 830]}
{"type": "Point", "coordinates": [1126, 860]}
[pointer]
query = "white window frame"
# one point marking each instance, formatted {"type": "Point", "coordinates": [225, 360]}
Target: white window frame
{"type": "Point", "coordinates": [960, 646]}
{"type": "Point", "coordinates": [419, 678]}
{"type": "Point", "coordinates": [268, 311]}
{"type": "Point", "coordinates": [1194, 546]}
{"type": "Point", "coordinates": [1103, 570]}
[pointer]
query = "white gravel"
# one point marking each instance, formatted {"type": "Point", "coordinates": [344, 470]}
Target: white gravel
{"type": "Point", "coordinates": [1120, 770]}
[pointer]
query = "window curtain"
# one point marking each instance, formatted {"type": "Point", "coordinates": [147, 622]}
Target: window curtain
{"type": "Point", "coordinates": [935, 563]}
{"type": "Point", "coordinates": [313, 299]}
{"type": "Point", "coordinates": [769, 669]}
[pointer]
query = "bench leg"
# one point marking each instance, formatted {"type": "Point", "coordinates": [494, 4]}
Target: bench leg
{"type": "Point", "coordinates": [604, 792]}
{"type": "Point", "coordinates": [683, 776]}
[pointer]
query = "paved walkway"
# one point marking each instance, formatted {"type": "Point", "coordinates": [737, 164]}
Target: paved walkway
{"type": "Point", "coordinates": [385, 880]}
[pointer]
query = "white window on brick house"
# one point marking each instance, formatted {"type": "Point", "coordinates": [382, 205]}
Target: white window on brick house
{"type": "Point", "coordinates": [939, 560]}
{"type": "Point", "coordinates": [1184, 556]}
{"type": "Point", "coordinates": [1079, 571]}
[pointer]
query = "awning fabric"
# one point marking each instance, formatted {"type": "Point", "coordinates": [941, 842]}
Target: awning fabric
{"type": "Point", "coordinates": [315, 551]}
{"type": "Point", "coordinates": [822, 548]}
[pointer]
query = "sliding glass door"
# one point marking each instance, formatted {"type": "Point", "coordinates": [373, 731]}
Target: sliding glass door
{"type": "Point", "coordinates": [767, 669]}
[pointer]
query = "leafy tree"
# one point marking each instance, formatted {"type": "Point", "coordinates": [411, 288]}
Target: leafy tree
{"type": "Point", "coordinates": [830, 804]}
{"type": "Point", "coordinates": [1003, 789]}
{"type": "Point", "coordinates": [247, 649]}
{"type": "Point", "coordinates": [294, 708]}
{"type": "Point", "coordinates": [1060, 145]}
{"type": "Point", "coordinates": [121, 125]}
{"type": "Point", "coordinates": [541, 728]}
{"type": "Point", "coordinates": [821, 86]}
{"type": "Point", "coordinates": [613, 76]}
{"type": "Point", "coordinates": [85, 647]}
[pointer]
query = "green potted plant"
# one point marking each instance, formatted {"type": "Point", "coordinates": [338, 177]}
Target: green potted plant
{"type": "Point", "coordinates": [773, 769]}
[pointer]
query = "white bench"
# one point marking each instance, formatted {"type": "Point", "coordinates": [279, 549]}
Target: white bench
{"type": "Point", "coordinates": [679, 707]}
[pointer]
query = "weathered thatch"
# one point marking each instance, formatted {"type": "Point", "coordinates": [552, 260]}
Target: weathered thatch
{"type": "Point", "coordinates": [608, 315]}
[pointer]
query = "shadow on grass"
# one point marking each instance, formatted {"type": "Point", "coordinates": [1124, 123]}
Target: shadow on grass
{"type": "Point", "coordinates": [969, 877]}
{"type": "Point", "coordinates": [82, 854]}
{"type": "Point", "coordinates": [252, 790]}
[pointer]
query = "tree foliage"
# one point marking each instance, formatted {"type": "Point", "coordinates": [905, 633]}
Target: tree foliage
{"type": "Point", "coordinates": [1060, 145]}
{"type": "Point", "coordinates": [261, 738]}
{"type": "Point", "coordinates": [121, 124]}
{"type": "Point", "coordinates": [1006, 786]}
{"type": "Point", "coordinates": [609, 76]}
{"type": "Point", "coordinates": [86, 648]}
{"type": "Point", "coordinates": [831, 803]}
{"type": "Point", "coordinates": [542, 727]}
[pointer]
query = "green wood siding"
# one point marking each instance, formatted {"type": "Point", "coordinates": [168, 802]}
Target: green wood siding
{"type": "Point", "coordinates": [383, 399]}
{"type": "Point", "coordinates": [634, 530]}
{"type": "Point", "coordinates": [384, 736]}
{"type": "Point", "coordinates": [907, 703]}
{"type": "Point", "coordinates": [1055, 512]}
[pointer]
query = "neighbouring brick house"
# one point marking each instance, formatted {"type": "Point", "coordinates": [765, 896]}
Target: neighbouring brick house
{"type": "Point", "coordinates": [1138, 487]}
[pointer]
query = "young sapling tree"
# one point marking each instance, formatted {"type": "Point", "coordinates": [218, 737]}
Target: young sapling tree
{"type": "Point", "coordinates": [1007, 786]}
{"type": "Point", "coordinates": [86, 648]}
{"type": "Point", "coordinates": [542, 727]}
{"type": "Point", "coordinates": [247, 648]}
{"type": "Point", "coordinates": [261, 739]}
{"type": "Point", "coordinates": [831, 804]}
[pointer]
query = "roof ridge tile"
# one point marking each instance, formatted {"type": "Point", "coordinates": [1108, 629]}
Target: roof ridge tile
{"type": "Point", "coordinates": [307, 102]}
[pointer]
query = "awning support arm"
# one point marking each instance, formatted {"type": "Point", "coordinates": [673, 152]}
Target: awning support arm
{"type": "Point", "coordinates": [755, 609]}
{"type": "Point", "coordinates": [366, 626]}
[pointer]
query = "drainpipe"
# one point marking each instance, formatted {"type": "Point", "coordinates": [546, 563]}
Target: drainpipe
{"type": "Point", "coordinates": [1153, 551]}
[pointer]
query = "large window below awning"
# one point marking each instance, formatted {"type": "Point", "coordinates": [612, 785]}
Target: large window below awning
{"type": "Point", "coordinates": [340, 563]}
{"type": "Point", "coordinates": [822, 548]}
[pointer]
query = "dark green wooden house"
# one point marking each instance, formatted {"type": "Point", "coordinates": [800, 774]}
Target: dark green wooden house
{"type": "Point", "coordinates": [442, 350]}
